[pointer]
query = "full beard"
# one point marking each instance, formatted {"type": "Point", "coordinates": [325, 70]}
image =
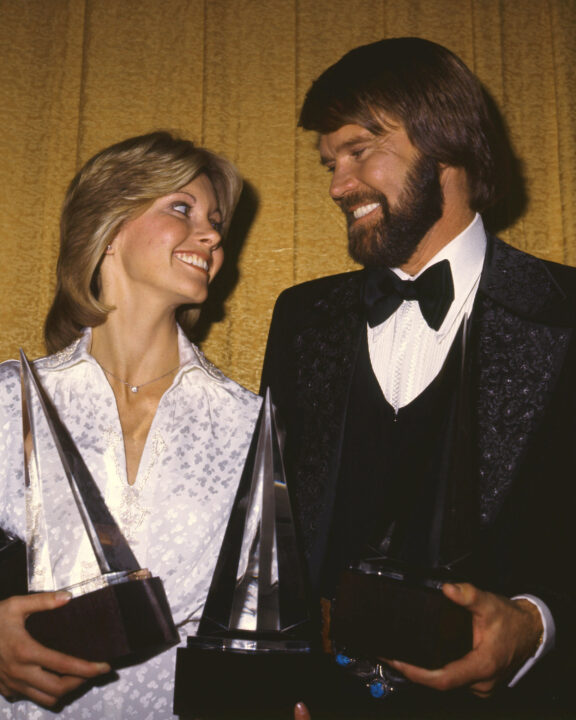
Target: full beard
{"type": "Point", "coordinates": [392, 240]}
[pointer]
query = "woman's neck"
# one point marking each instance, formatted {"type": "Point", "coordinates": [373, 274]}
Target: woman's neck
{"type": "Point", "coordinates": [136, 350]}
{"type": "Point", "coordinates": [140, 358]}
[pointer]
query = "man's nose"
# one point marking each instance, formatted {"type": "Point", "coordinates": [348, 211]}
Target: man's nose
{"type": "Point", "coordinates": [343, 182]}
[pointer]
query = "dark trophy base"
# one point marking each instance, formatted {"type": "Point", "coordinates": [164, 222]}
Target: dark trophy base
{"type": "Point", "coordinates": [13, 580]}
{"type": "Point", "coordinates": [120, 623]}
{"type": "Point", "coordinates": [214, 679]}
{"type": "Point", "coordinates": [384, 610]}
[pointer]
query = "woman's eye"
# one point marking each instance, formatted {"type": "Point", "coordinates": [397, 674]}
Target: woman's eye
{"type": "Point", "coordinates": [182, 207]}
{"type": "Point", "coordinates": [217, 225]}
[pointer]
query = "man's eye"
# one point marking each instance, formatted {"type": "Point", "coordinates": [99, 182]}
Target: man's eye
{"type": "Point", "coordinates": [182, 207]}
{"type": "Point", "coordinates": [357, 154]}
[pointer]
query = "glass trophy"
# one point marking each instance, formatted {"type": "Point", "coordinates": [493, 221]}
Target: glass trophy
{"type": "Point", "coordinates": [388, 608]}
{"type": "Point", "coordinates": [228, 669]}
{"type": "Point", "coordinates": [118, 612]}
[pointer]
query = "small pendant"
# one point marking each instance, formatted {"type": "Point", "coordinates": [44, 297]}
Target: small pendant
{"type": "Point", "coordinates": [134, 388]}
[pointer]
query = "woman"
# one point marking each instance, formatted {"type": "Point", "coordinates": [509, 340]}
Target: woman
{"type": "Point", "coordinates": [163, 432]}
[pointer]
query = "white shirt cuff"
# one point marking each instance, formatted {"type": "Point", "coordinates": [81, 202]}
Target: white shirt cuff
{"type": "Point", "coordinates": [548, 636]}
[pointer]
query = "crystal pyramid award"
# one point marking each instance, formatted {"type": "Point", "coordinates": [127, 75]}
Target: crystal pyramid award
{"type": "Point", "coordinates": [119, 612]}
{"type": "Point", "coordinates": [268, 666]}
{"type": "Point", "coordinates": [388, 607]}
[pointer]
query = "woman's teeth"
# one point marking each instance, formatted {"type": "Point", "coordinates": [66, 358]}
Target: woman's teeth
{"type": "Point", "coordinates": [192, 259]}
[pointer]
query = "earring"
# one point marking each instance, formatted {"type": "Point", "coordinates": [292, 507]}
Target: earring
{"type": "Point", "coordinates": [109, 249]}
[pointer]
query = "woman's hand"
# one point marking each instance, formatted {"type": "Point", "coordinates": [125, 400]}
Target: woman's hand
{"type": "Point", "coordinates": [29, 669]}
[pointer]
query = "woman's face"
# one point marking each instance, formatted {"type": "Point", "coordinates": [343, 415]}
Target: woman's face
{"type": "Point", "coordinates": [170, 252]}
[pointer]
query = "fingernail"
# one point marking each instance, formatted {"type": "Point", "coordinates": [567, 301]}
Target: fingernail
{"type": "Point", "coordinates": [300, 712]}
{"type": "Point", "coordinates": [63, 596]}
{"type": "Point", "coordinates": [456, 586]}
{"type": "Point", "coordinates": [103, 668]}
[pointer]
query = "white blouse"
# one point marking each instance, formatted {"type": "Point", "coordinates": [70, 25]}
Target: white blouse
{"type": "Point", "coordinates": [173, 516]}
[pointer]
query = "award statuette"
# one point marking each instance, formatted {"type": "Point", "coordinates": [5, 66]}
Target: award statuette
{"type": "Point", "coordinates": [227, 669]}
{"type": "Point", "coordinates": [387, 607]}
{"type": "Point", "coordinates": [121, 615]}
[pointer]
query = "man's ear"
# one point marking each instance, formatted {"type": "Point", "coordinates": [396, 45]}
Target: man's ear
{"type": "Point", "coordinates": [454, 180]}
{"type": "Point", "coordinates": [443, 169]}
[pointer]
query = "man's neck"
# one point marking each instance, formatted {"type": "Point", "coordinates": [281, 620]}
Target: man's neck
{"type": "Point", "coordinates": [456, 217]}
{"type": "Point", "coordinates": [440, 234]}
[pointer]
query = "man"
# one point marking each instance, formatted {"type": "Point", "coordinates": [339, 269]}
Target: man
{"type": "Point", "coordinates": [364, 371]}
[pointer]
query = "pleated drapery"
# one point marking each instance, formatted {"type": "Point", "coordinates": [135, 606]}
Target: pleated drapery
{"type": "Point", "coordinates": [77, 75]}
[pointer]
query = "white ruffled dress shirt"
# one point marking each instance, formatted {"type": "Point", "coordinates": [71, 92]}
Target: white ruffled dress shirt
{"type": "Point", "coordinates": [406, 354]}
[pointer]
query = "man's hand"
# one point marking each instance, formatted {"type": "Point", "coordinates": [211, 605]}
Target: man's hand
{"type": "Point", "coordinates": [505, 634]}
{"type": "Point", "coordinates": [28, 669]}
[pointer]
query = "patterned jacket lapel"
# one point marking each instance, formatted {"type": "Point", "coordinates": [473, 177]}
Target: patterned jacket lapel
{"type": "Point", "coordinates": [521, 323]}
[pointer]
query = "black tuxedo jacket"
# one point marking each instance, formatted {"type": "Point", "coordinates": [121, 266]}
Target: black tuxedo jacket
{"type": "Point", "coordinates": [524, 378]}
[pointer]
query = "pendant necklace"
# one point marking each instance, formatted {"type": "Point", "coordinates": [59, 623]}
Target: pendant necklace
{"type": "Point", "coordinates": [135, 388]}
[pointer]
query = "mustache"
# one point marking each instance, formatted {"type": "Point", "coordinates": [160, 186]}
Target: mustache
{"type": "Point", "coordinates": [348, 203]}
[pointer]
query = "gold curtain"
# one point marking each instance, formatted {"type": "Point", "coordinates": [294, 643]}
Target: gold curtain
{"type": "Point", "coordinates": [77, 75]}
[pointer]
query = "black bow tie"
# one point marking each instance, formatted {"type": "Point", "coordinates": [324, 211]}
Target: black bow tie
{"type": "Point", "coordinates": [384, 292]}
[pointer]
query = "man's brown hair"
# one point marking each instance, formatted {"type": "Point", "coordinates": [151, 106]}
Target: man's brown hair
{"type": "Point", "coordinates": [426, 88]}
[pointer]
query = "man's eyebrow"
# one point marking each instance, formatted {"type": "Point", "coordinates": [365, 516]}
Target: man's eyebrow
{"type": "Point", "coordinates": [347, 145]}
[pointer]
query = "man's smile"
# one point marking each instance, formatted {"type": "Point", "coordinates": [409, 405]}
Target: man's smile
{"type": "Point", "coordinates": [364, 210]}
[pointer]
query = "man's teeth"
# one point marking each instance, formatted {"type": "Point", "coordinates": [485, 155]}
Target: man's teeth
{"type": "Point", "coordinates": [195, 260]}
{"type": "Point", "coordinates": [364, 210]}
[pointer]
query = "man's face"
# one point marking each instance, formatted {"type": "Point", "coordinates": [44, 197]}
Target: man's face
{"type": "Point", "coordinates": [390, 193]}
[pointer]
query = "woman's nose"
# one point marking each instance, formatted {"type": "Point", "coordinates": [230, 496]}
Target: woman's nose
{"type": "Point", "coordinates": [208, 234]}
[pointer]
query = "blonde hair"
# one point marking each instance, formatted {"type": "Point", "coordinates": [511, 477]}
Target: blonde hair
{"type": "Point", "coordinates": [114, 186]}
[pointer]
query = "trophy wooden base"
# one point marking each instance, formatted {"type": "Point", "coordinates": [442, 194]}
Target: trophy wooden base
{"type": "Point", "coordinates": [13, 579]}
{"type": "Point", "coordinates": [119, 623]}
{"type": "Point", "coordinates": [216, 680]}
{"type": "Point", "coordinates": [392, 615]}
